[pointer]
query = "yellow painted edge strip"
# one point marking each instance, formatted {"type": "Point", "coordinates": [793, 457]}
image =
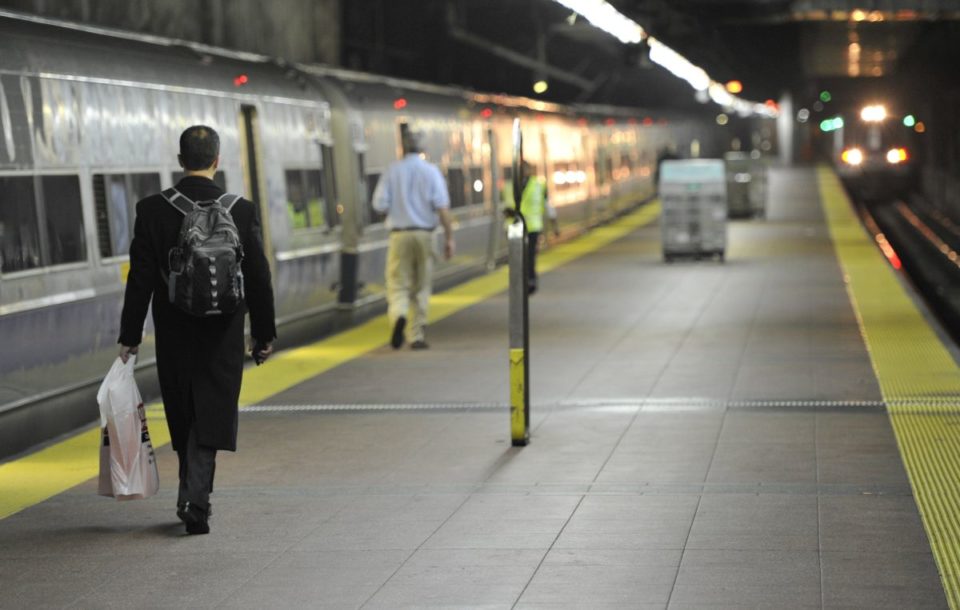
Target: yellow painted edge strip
{"type": "Point", "coordinates": [518, 415]}
{"type": "Point", "coordinates": [918, 378]}
{"type": "Point", "coordinates": [45, 473]}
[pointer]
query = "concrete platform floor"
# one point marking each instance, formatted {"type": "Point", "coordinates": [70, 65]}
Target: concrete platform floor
{"type": "Point", "coordinates": [704, 436]}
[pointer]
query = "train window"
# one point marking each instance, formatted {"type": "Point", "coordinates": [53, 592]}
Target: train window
{"type": "Point", "coordinates": [28, 203]}
{"type": "Point", "coordinates": [219, 178]}
{"type": "Point", "coordinates": [64, 216]}
{"type": "Point", "coordinates": [305, 203]}
{"type": "Point", "coordinates": [455, 184]}
{"type": "Point", "coordinates": [115, 199]}
{"type": "Point", "coordinates": [477, 186]}
{"type": "Point", "coordinates": [375, 216]}
{"type": "Point", "coordinates": [19, 229]}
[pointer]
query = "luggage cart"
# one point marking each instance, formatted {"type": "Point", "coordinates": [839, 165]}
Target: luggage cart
{"type": "Point", "coordinates": [693, 199]}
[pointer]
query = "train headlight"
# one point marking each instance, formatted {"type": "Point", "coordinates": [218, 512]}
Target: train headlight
{"type": "Point", "coordinates": [896, 155]}
{"type": "Point", "coordinates": [873, 114]}
{"type": "Point", "coordinates": [852, 156]}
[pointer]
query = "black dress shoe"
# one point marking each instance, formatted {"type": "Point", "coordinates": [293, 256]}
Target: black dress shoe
{"type": "Point", "coordinates": [182, 511]}
{"type": "Point", "coordinates": [396, 339]}
{"type": "Point", "coordinates": [420, 344]}
{"type": "Point", "coordinates": [196, 519]}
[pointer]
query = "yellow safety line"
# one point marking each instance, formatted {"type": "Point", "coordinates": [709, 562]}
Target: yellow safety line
{"type": "Point", "coordinates": [918, 378]}
{"type": "Point", "coordinates": [45, 473]}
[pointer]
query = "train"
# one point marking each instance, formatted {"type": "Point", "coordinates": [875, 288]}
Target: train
{"type": "Point", "coordinates": [874, 150]}
{"type": "Point", "coordinates": [89, 124]}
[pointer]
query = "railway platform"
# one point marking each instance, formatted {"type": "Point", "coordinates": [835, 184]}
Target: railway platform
{"type": "Point", "coordinates": [776, 431]}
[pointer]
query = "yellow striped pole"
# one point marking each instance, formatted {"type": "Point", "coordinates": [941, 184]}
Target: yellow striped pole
{"type": "Point", "coordinates": [518, 303]}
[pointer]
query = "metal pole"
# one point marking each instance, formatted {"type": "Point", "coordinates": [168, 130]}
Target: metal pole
{"type": "Point", "coordinates": [518, 304]}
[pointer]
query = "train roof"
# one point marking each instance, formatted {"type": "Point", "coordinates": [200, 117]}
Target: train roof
{"type": "Point", "coordinates": [109, 55]}
{"type": "Point", "coordinates": [45, 47]}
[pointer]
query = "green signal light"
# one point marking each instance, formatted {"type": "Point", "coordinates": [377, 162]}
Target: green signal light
{"type": "Point", "coordinates": [909, 120]}
{"type": "Point", "coordinates": [831, 124]}
{"type": "Point", "coordinates": [825, 96]}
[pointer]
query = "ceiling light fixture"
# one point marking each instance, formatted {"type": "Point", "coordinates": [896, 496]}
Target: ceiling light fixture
{"type": "Point", "coordinates": [603, 15]}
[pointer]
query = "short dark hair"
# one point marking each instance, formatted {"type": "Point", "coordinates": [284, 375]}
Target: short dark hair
{"type": "Point", "coordinates": [199, 147]}
{"type": "Point", "coordinates": [412, 141]}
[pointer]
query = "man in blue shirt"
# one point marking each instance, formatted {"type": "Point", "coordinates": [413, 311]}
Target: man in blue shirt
{"type": "Point", "coordinates": [413, 195]}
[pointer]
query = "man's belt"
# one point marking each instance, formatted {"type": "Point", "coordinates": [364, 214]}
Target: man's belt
{"type": "Point", "coordinates": [402, 229]}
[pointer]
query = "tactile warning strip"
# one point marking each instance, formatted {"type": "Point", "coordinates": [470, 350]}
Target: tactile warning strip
{"type": "Point", "coordinates": [918, 379]}
{"type": "Point", "coordinates": [649, 404]}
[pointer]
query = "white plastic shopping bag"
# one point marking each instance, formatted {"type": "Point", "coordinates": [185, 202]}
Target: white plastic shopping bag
{"type": "Point", "coordinates": [128, 466]}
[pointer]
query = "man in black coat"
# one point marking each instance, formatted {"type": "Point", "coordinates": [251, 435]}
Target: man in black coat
{"type": "Point", "coordinates": [199, 359]}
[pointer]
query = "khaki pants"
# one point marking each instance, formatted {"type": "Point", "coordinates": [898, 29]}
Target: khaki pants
{"type": "Point", "coordinates": [409, 278]}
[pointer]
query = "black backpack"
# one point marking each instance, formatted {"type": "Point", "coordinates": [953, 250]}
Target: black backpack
{"type": "Point", "coordinates": [205, 277]}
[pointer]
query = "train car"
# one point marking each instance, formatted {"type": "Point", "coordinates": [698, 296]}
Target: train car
{"type": "Point", "coordinates": [874, 152]}
{"type": "Point", "coordinates": [89, 124]}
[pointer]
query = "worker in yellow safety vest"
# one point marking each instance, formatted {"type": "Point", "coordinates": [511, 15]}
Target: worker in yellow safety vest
{"type": "Point", "coordinates": [534, 205]}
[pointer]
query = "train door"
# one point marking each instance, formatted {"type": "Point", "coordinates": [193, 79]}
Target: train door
{"type": "Point", "coordinates": [251, 154]}
{"type": "Point", "coordinates": [495, 189]}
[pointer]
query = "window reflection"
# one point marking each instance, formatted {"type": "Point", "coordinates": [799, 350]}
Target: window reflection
{"type": "Point", "coordinates": [115, 201]}
{"type": "Point", "coordinates": [64, 216]}
{"type": "Point", "coordinates": [19, 231]}
{"type": "Point", "coordinates": [306, 205]}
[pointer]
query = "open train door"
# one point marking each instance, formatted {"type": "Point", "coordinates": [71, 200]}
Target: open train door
{"type": "Point", "coordinates": [251, 161]}
{"type": "Point", "coordinates": [497, 234]}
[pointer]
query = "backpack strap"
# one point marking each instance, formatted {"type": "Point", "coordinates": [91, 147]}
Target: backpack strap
{"type": "Point", "coordinates": [178, 200]}
{"type": "Point", "coordinates": [227, 200]}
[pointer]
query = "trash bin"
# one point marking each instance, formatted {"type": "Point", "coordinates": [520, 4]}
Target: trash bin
{"type": "Point", "coordinates": [746, 184]}
{"type": "Point", "coordinates": [693, 200]}
{"type": "Point", "coordinates": [758, 185]}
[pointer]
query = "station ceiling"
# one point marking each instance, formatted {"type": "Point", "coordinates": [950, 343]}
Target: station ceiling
{"type": "Point", "coordinates": [771, 46]}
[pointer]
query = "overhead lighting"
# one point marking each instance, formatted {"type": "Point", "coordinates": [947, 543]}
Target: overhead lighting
{"type": "Point", "coordinates": [678, 65]}
{"type": "Point", "coordinates": [719, 94]}
{"type": "Point", "coordinates": [540, 86]}
{"type": "Point", "coordinates": [604, 16]}
{"type": "Point", "coordinates": [734, 86]}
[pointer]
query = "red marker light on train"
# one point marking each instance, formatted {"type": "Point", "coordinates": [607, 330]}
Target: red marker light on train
{"type": "Point", "coordinates": [609, 122]}
{"type": "Point", "coordinates": [486, 113]}
{"type": "Point", "coordinates": [400, 103]}
{"type": "Point", "coordinates": [647, 121]}
{"type": "Point", "coordinates": [240, 80]}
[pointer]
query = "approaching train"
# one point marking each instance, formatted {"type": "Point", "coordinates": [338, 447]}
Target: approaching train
{"type": "Point", "coordinates": [89, 124]}
{"type": "Point", "coordinates": [874, 150]}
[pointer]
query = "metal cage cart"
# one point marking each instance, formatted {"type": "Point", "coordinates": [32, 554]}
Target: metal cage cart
{"type": "Point", "coordinates": [693, 198]}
